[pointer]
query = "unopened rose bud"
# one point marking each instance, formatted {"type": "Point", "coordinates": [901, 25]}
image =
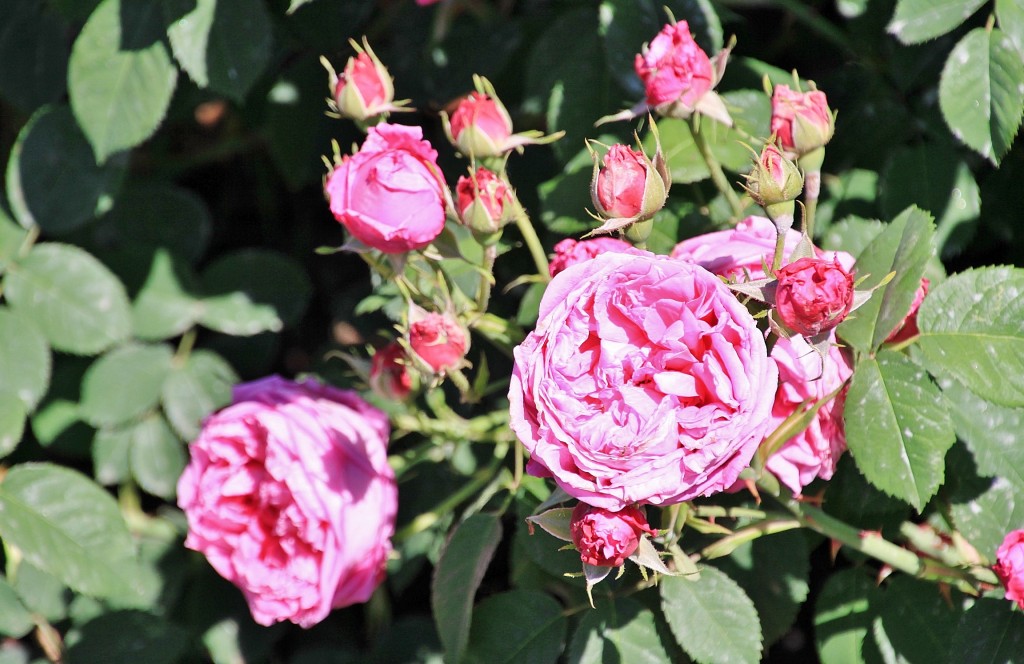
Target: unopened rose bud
{"type": "Point", "coordinates": [605, 538]}
{"type": "Point", "coordinates": [627, 187]}
{"type": "Point", "coordinates": [480, 126]}
{"type": "Point", "coordinates": [675, 71]}
{"type": "Point", "coordinates": [774, 178]}
{"type": "Point", "coordinates": [485, 202]}
{"type": "Point", "coordinates": [364, 90]}
{"type": "Point", "coordinates": [908, 327]}
{"type": "Point", "coordinates": [389, 376]}
{"type": "Point", "coordinates": [802, 120]}
{"type": "Point", "coordinates": [437, 341]}
{"type": "Point", "coordinates": [813, 295]}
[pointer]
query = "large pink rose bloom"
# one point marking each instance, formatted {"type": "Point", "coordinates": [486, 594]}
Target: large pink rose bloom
{"type": "Point", "coordinates": [390, 194]}
{"type": "Point", "coordinates": [646, 381]}
{"type": "Point", "coordinates": [289, 495]}
{"type": "Point", "coordinates": [805, 378]}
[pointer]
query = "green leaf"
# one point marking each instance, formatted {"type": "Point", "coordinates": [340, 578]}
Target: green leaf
{"type": "Point", "coordinates": [157, 457]}
{"type": "Point", "coordinates": [773, 572]}
{"type": "Point", "coordinates": [33, 48]}
{"type": "Point", "coordinates": [935, 179]}
{"type": "Point", "coordinates": [124, 384]}
{"type": "Point", "coordinates": [195, 389]}
{"type": "Point", "coordinates": [222, 45]}
{"type": "Point", "coordinates": [157, 215]}
{"type": "Point", "coordinates": [898, 427]}
{"type": "Point", "coordinates": [852, 235]}
{"type": "Point", "coordinates": [988, 633]}
{"type": "Point", "coordinates": [24, 359]}
{"type": "Point", "coordinates": [985, 518]}
{"type": "Point", "coordinates": [517, 626]}
{"type": "Point", "coordinates": [79, 305]}
{"type": "Point", "coordinates": [120, 77]}
{"type": "Point", "coordinates": [15, 619]}
{"type": "Point", "coordinates": [621, 630]}
{"type": "Point", "coordinates": [972, 329]}
{"type": "Point", "coordinates": [164, 307]}
{"type": "Point", "coordinates": [728, 630]}
{"type": "Point", "coordinates": [457, 576]}
{"type": "Point", "coordinates": [12, 238]}
{"type": "Point", "coordinates": [991, 431]}
{"type": "Point", "coordinates": [12, 421]}
{"type": "Point", "coordinates": [111, 451]}
{"type": "Point", "coordinates": [1011, 21]}
{"type": "Point", "coordinates": [904, 247]}
{"type": "Point", "coordinates": [66, 525]}
{"type": "Point", "coordinates": [916, 21]}
{"type": "Point", "coordinates": [980, 92]}
{"type": "Point", "coordinates": [41, 593]}
{"type": "Point", "coordinates": [842, 616]}
{"type": "Point", "coordinates": [914, 623]}
{"type": "Point", "coordinates": [851, 194]}
{"type": "Point", "coordinates": [153, 639]}
{"type": "Point", "coordinates": [52, 178]}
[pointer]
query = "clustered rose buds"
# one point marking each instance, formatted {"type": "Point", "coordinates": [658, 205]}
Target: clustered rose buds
{"type": "Point", "coordinates": [813, 295]}
{"type": "Point", "coordinates": [802, 121]}
{"type": "Point", "coordinates": [605, 538]}
{"type": "Point", "coordinates": [1009, 566]}
{"type": "Point", "coordinates": [437, 341]}
{"type": "Point", "coordinates": [390, 194]}
{"type": "Point", "coordinates": [289, 495]}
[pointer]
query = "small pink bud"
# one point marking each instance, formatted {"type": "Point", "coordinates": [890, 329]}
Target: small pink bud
{"type": "Point", "coordinates": [481, 127]}
{"type": "Point", "coordinates": [813, 295]}
{"type": "Point", "coordinates": [774, 178]}
{"type": "Point", "coordinates": [605, 538]}
{"type": "Point", "coordinates": [485, 201]}
{"type": "Point", "coordinates": [802, 120]}
{"type": "Point", "coordinates": [364, 90]}
{"type": "Point", "coordinates": [389, 376]}
{"type": "Point", "coordinates": [437, 340]}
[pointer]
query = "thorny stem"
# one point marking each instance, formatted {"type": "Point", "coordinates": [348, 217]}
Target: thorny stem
{"type": "Point", "coordinates": [717, 174]}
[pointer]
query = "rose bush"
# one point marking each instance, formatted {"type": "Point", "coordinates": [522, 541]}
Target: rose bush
{"type": "Point", "coordinates": [390, 194]}
{"type": "Point", "coordinates": [289, 495]}
{"type": "Point", "coordinates": [645, 381]}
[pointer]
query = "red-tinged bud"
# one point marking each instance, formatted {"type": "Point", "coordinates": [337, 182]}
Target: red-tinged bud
{"type": "Point", "coordinates": [813, 295]}
{"type": "Point", "coordinates": [438, 341]}
{"type": "Point", "coordinates": [485, 202]}
{"type": "Point", "coordinates": [364, 91]}
{"type": "Point", "coordinates": [389, 375]}
{"type": "Point", "coordinates": [605, 538]}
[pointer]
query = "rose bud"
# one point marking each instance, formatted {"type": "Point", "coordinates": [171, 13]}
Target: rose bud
{"type": "Point", "coordinates": [389, 376]}
{"type": "Point", "coordinates": [628, 186]}
{"type": "Point", "coordinates": [569, 252]}
{"type": "Point", "coordinates": [484, 201]}
{"type": "Point", "coordinates": [605, 538]}
{"type": "Point", "coordinates": [1009, 566]}
{"type": "Point", "coordinates": [813, 295]}
{"type": "Point", "coordinates": [907, 329]}
{"type": "Point", "coordinates": [437, 341]}
{"type": "Point", "coordinates": [390, 194]}
{"type": "Point", "coordinates": [802, 120]}
{"type": "Point", "coordinates": [364, 90]}
{"type": "Point", "coordinates": [481, 126]}
{"type": "Point", "coordinates": [774, 183]}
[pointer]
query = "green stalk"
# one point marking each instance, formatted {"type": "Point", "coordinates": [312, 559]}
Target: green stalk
{"type": "Point", "coordinates": [780, 246]}
{"type": "Point", "coordinates": [540, 259]}
{"type": "Point", "coordinates": [717, 174]}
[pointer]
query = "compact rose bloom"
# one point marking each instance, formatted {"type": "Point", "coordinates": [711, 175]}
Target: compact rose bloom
{"type": "Point", "coordinates": [605, 538]}
{"type": "Point", "coordinates": [802, 120]}
{"type": "Point", "coordinates": [1009, 566]}
{"type": "Point", "coordinates": [390, 194]}
{"type": "Point", "coordinates": [908, 327]}
{"type": "Point", "coordinates": [814, 295]}
{"type": "Point", "coordinates": [438, 340]}
{"type": "Point", "coordinates": [674, 69]}
{"type": "Point", "coordinates": [569, 251]}
{"type": "Point", "coordinates": [645, 381]}
{"type": "Point", "coordinates": [484, 201]}
{"type": "Point", "coordinates": [389, 376]}
{"type": "Point", "coordinates": [289, 495]}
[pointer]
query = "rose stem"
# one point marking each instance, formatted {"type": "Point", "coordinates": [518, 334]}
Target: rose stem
{"type": "Point", "coordinates": [540, 259]}
{"type": "Point", "coordinates": [717, 174]}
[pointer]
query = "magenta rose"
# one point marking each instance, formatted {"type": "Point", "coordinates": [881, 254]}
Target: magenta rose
{"type": "Point", "coordinates": [674, 68]}
{"type": "Point", "coordinates": [289, 495]}
{"type": "Point", "coordinates": [605, 538]}
{"type": "Point", "coordinates": [805, 377]}
{"type": "Point", "coordinates": [1009, 566]}
{"type": "Point", "coordinates": [438, 340]}
{"type": "Point", "coordinates": [569, 251]}
{"type": "Point", "coordinates": [390, 194]}
{"type": "Point", "coordinates": [907, 328]}
{"type": "Point", "coordinates": [813, 295]}
{"type": "Point", "coordinates": [645, 381]}
{"type": "Point", "coordinates": [802, 120]}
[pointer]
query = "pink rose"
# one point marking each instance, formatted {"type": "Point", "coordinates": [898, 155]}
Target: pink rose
{"type": "Point", "coordinates": [569, 251]}
{"type": "Point", "coordinates": [289, 495]}
{"type": "Point", "coordinates": [802, 120]}
{"type": "Point", "coordinates": [390, 194]}
{"type": "Point", "coordinates": [622, 182]}
{"type": "Point", "coordinates": [438, 341]}
{"type": "Point", "coordinates": [674, 69]}
{"type": "Point", "coordinates": [805, 377]}
{"type": "Point", "coordinates": [813, 295]}
{"type": "Point", "coordinates": [907, 329]}
{"type": "Point", "coordinates": [605, 538]}
{"type": "Point", "coordinates": [481, 127]}
{"type": "Point", "coordinates": [1009, 566]}
{"type": "Point", "coordinates": [646, 381]}
{"type": "Point", "coordinates": [389, 376]}
{"type": "Point", "coordinates": [743, 250]}
{"type": "Point", "coordinates": [484, 201]}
